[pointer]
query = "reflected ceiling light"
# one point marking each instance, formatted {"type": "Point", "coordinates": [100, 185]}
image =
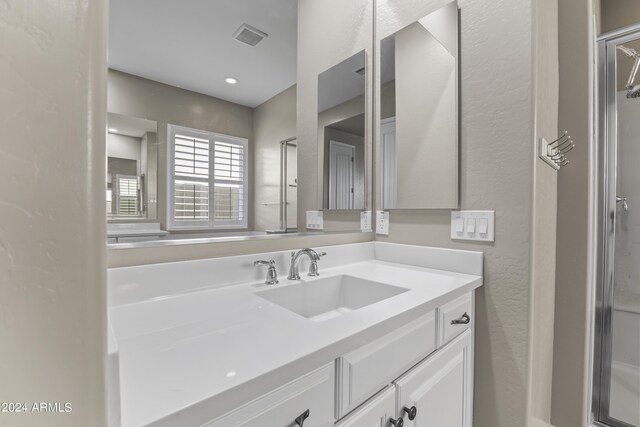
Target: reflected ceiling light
{"type": "Point", "coordinates": [231, 374]}
{"type": "Point", "coordinates": [113, 130]}
{"type": "Point", "coordinates": [231, 80]}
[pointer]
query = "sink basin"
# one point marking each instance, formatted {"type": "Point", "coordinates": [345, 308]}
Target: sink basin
{"type": "Point", "coordinates": [326, 298]}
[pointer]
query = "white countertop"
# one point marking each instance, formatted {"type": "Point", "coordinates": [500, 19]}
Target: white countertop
{"type": "Point", "coordinates": [190, 357]}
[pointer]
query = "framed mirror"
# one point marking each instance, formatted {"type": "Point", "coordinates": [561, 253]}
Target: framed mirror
{"type": "Point", "coordinates": [418, 113]}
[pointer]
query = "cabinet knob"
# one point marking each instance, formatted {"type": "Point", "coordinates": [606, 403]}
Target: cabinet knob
{"type": "Point", "coordinates": [464, 320]}
{"type": "Point", "coordinates": [300, 420]}
{"type": "Point", "coordinates": [411, 412]}
{"type": "Point", "coordinates": [398, 423]}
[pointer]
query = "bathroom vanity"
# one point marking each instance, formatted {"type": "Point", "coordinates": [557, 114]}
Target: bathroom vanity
{"type": "Point", "coordinates": [383, 336]}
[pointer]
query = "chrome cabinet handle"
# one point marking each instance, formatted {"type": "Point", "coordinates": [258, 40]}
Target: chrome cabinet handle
{"type": "Point", "coordinates": [300, 420]}
{"type": "Point", "coordinates": [464, 320]}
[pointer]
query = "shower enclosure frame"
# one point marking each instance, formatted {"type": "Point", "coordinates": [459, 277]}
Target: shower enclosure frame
{"type": "Point", "coordinates": [605, 171]}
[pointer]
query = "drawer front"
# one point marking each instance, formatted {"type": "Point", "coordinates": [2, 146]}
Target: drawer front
{"type": "Point", "coordinates": [367, 370]}
{"type": "Point", "coordinates": [313, 392]}
{"type": "Point", "coordinates": [375, 413]}
{"type": "Point", "coordinates": [452, 320]}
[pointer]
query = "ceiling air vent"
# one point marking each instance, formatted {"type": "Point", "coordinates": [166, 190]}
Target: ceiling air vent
{"type": "Point", "coordinates": [249, 35]}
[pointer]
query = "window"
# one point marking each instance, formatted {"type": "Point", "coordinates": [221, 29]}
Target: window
{"type": "Point", "coordinates": [127, 195]}
{"type": "Point", "coordinates": [207, 180]}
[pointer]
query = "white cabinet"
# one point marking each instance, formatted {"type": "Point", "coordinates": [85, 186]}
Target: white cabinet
{"type": "Point", "coordinates": [375, 413]}
{"type": "Point", "coordinates": [368, 369]}
{"type": "Point", "coordinates": [307, 401]}
{"type": "Point", "coordinates": [441, 387]}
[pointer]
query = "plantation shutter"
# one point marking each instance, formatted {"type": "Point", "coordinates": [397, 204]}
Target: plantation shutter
{"type": "Point", "coordinates": [191, 178]}
{"type": "Point", "coordinates": [127, 195]}
{"type": "Point", "coordinates": [229, 169]}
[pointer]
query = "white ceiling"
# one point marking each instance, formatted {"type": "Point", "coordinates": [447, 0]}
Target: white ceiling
{"type": "Point", "coordinates": [189, 44]}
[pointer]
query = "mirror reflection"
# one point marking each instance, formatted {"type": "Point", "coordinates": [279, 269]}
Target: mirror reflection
{"type": "Point", "coordinates": [419, 113]}
{"type": "Point", "coordinates": [341, 133]}
{"type": "Point", "coordinates": [202, 110]}
{"type": "Point", "coordinates": [132, 156]}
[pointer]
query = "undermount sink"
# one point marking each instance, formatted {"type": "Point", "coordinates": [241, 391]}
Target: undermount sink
{"type": "Point", "coordinates": [326, 298]}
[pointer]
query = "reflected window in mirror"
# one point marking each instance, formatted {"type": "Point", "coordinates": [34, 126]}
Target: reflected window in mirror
{"type": "Point", "coordinates": [419, 113]}
{"type": "Point", "coordinates": [342, 133]}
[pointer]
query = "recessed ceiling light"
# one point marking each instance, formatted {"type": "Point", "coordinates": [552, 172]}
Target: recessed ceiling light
{"type": "Point", "coordinates": [231, 80]}
{"type": "Point", "coordinates": [113, 130]}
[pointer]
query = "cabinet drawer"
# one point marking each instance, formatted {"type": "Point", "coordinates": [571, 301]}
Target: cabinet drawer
{"type": "Point", "coordinates": [452, 318]}
{"type": "Point", "coordinates": [375, 413]}
{"type": "Point", "coordinates": [367, 370]}
{"type": "Point", "coordinates": [313, 392]}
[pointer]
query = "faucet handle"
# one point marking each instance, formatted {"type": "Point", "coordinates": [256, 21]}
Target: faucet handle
{"type": "Point", "coordinates": [272, 274]}
{"type": "Point", "coordinates": [313, 268]}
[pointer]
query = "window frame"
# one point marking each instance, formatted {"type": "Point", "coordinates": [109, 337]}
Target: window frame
{"type": "Point", "coordinates": [211, 223]}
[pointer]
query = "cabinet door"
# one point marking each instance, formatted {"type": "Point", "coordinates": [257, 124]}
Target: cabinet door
{"type": "Point", "coordinates": [441, 387]}
{"type": "Point", "coordinates": [375, 413]}
{"type": "Point", "coordinates": [312, 394]}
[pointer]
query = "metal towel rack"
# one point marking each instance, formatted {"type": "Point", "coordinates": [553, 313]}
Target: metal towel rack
{"type": "Point", "coordinates": [554, 153]}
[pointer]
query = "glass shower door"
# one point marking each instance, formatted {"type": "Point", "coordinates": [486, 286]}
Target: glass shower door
{"type": "Point", "coordinates": [618, 319]}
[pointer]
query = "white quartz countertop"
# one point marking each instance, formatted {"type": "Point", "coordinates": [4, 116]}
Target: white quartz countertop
{"type": "Point", "coordinates": [190, 357]}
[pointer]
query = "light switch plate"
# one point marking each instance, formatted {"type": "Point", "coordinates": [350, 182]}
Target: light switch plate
{"type": "Point", "coordinates": [365, 221]}
{"type": "Point", "coordinates": [382, 223]}
{"type": "Point", "coordinates": [473, 225]}
{"type": "Point", "coordinates": [315, 220]}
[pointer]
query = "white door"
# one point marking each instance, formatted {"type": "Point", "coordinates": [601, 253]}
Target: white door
{"type": "Point", "coordinates": [389, 175]}
{"type": "Point", "coordinates": [440, 388]}
{"type": "Point", "coordinates": [341, 175]}
{"type": "Point", "coordinates": [375, 413]}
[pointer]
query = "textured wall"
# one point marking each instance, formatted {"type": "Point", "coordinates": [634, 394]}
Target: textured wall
{"type": "Point", "coordinates": [52, 209]}
{"type": "Point", "coordinates": [570, 360]}
{"type": "Point", "coordinates": [497, 135]}
{"type": "Point", "coordinates": [543, 235]}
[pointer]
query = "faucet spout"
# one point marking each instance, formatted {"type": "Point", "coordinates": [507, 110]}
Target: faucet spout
{"type": "Point", "coordinates": [294, 273]}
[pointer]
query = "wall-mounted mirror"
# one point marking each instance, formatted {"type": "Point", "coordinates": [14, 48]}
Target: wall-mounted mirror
{"type": "Point", "coordinates": [419, 113]}
{"type": "Point", "coordinates": [217, 83]}
{"type": "Point", "coordinates": [342, 133]}
{"type": "Point", "coordinates": [132, 160]}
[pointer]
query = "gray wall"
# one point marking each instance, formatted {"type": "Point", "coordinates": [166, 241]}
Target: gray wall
{"type": "Point", "coordinates": [572, 308]}
{"type": "Point", "coordinates": [497, 152]}
{"type": "Point", "coordinates": [134, 96]}
{"type": "Point", "coordinates": [273, 121]}
{"type": "Point", "coordinates": [52, 232]}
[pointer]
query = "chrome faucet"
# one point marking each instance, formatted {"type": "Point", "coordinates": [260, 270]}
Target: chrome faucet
{"type": "Point", "coordinates": [272, 275]}
{"type": "Point", "coordinates": [313, 268]}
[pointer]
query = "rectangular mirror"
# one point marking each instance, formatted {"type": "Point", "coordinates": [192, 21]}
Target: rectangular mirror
{"type": "Point", "coordinates": [341, 133]}
{"type": "Point", "coordinates": [132, 161]}
{"type": "Point", "coordinates": [419, 88]}
{"type": "Point", "coordinates": [216, 81]}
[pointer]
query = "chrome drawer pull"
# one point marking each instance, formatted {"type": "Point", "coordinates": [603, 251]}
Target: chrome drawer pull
{"type": "Point", "coordinates": [464, 320]}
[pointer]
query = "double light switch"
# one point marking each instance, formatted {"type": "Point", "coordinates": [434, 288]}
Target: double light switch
{"type": "Point", "coordinates": [473, 225]}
